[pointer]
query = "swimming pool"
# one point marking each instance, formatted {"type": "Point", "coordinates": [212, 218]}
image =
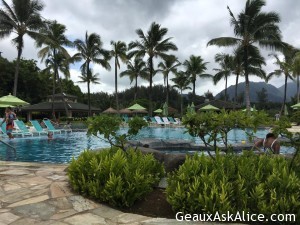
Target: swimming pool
{"type": "Point", "coordinates": [64, 146]}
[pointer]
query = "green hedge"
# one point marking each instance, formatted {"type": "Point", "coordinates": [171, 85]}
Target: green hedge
{"type": "Point", "coordinates": [250, 183]}
{"type": "Point", "coordinates": [114, 176]}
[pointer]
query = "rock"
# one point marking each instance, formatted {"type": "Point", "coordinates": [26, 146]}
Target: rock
{"type": "Point", "coordinates": [173, 161]}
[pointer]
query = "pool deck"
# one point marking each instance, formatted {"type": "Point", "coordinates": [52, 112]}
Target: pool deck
{"type": "Point", "coordinates": [35, 193]}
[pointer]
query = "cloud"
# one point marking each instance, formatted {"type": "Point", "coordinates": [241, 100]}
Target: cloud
{"type": "Point", "coordinates": [191, 23]}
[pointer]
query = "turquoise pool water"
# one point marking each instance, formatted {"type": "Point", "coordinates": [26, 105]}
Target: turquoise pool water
{"type": "Point", "coordinates": [64, 146]}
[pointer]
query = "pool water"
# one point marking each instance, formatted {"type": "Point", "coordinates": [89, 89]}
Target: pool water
{"type": "Point", "coordinates": [65, 146]}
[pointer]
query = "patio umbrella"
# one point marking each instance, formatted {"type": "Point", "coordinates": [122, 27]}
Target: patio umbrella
{"type": "Point", "coordinates": [286, 112]}
{"type": "Point", "coordinates": [136, 107]}
{"type": "Point", "coordinates": [297, 106]}
{"type": "Point", "coordinates": [5, 105]}
{"type": "Point", "coordinates": [158, 111]}
{"type": "Point", "coordinates": [110, 110]}
{"type": "Point", "coordinates": [12, 101]}
{"type": "Point", "coordinates": [125, 111]}
{"type": "Point", "coordinates": [140, 111]}
{"type": "Point", "coordinates": [165, 109]}
{"type": "Point", "coordinates": [209, 107]}
{"type": "Point", "coordinates": [192, 108]}
{"type": "Point", "coordinates": [188, 108]}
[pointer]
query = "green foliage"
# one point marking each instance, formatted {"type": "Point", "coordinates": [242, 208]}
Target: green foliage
{"type": "Point", "coordinates": [296, 117]}
{"type": "Point", "coordinates": [250, 183]}
{"type": "Point", "coordinates": [113, 176]}
{"type": "Point", "coordinates": [109, 126]}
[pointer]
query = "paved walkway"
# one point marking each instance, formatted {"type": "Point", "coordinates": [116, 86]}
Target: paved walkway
{"type": "Point", "coordinates": [32, 193]}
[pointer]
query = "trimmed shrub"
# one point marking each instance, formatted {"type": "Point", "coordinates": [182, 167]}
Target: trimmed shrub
{"type": "Point", "coordinates": [114, 176]}
{"type": "Point", "coordinates": [250, 183]}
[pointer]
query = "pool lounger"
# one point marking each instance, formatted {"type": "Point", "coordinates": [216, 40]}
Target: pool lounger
{"type": "Point", "coordinates": [165, 120]}
{"type": "Point", "coordinates": [37, 127]}
{"type": "Point", "coordinates": [22, 127]}
{"type": "Point", "coordinates": [159, 120]}
{"type": "Point", "coordinates": [15, 132]}
{"type": "Point", "coordinates": [50, 127]}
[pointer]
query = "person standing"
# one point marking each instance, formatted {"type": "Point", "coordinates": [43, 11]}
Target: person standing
{"type": "Point", "coordinates": [10, 116]}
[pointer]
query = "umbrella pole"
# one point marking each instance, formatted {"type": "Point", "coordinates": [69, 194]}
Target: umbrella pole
{"type": "Point", "coordinates": [7, 144]}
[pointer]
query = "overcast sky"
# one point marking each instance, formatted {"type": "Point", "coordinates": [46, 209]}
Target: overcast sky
{"type": "Point", "coordinates": [191, 23]}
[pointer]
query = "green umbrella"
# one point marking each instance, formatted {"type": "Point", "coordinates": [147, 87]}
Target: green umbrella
{"type": "Point", "coordinates": [136, 107]}
{"type": "Point", "coordinates": [5, 105]}
{"type": "Point", "coordinates": [165, 109]}
{"type": "Point", "coordinates": [188, 108]}
{"type": "Point", "coordinates": [297, 106]}
{"type": "Point", "coordinates": [158, 111]}
{"type": "Point", "coordinates": [12, 100]}
{"type": "Point", "coordinates": [209, 107]}
{"type": "Point", "coordinates": [192, 108]}
{"type": "Point", "coordinates": [286, 112]}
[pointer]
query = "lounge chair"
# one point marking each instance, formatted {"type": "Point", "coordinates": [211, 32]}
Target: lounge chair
{"type": "Point", "coordinates": [172, 120]}
{"type": "Point", "coordinates": [22, 127]}
{"type": "Point", "coordinates": [50, 127]}
{"type": "Point", "coordinates": [3, 129]}
{"type": "Point", "coordinates": [158, 120]}
{"type": "Point", "coordinates": [165, 120]}
{"type": "Point", "coordinates": [37, 127]}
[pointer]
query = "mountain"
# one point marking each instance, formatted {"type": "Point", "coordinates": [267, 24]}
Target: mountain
{"type": "Point", "coordinates": [291, 90]}
{"type": "Point", "coordinates": [274, 94]}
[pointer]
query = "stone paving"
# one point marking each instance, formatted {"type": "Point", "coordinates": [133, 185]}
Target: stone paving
{"type": "Point", "coordinates": [32, 193]}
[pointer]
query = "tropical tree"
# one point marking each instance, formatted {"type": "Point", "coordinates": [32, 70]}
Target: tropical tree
{"type": "Point", "coordinates": [296, 72]}
{"type": "Point", "coordinates": [136, 69]}
{"type": "Point", "coordinates": [118, 53]}
{"type": "Point", "coordinates": [285, 67]}
{"type": "Point", "coordinates": [52, 40]}
{"type": "Point", "coordinates": [169, 65]}
{"type": "Point", "coordinates": [22, 17]}
{"type": "Point", "coordinates": [153, 45]}
{"type": "Point", "coordinates": [195, 67]}
{"type": "Point", "coordinates": [252, 27]}
{"type": "Point", "coordinates": [181, 83]}
{"type": "Point", "coordinates": [89, 78]}
{"type": "Point", "coordinates": [90, 51]}
{"type": "Point", "coordinates": [226, 64]}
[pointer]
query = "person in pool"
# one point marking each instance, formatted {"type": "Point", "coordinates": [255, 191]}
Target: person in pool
{"type": "Point", "coordinates": [270, 144]}
{"type": "Point", "coordinates": [10, 116]}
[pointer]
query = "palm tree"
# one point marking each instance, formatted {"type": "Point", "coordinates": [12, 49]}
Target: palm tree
{"type": "Point", "coordinates": [22, 17]}
{"type": "Point", "coordinates": [134, 70]}
{"type": "Point", "coordinates": [168, 66]}
{"type": "Point", "coordinates": [118, 52]}
{"type": "Point", "coordinates": [89, 78]}
{"type": "Point", "coordinates": [90, 50]}
{"type": "Point", "coordinates": [226, 63]}
{"type": "Point", "coordinates": [285, 68]}
{"type": "Point", "coordinates": [153, 45]}
{"type": "Point", "coordinates": [195, 67]}
{"type": "Point", "coordinates": [296, 72]}
{"type": "Point", "coordinates": [53, 39]}
{"type": "Point", "coordinates": [181, 83]}
{"type": "Point", "coordinates": [250, 27]}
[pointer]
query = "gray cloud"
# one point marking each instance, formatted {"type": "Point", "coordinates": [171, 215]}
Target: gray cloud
{"type": "Point", "coordinates": [191, 23]}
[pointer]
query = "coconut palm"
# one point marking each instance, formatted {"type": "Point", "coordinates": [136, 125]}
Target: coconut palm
{"type": "Point", "coordinates": [181, 83]}
{"type": "Point", "coordinates": [89, 78]}
{"type": "Point", "coordinates": [136, 69]}
{"type": "Point", "coordinates": [153, 45]}
{"type": "Point", "coordinates": [90, 51]}
{"type": "Point", "coordinates": [195, 67]}
{"type": "Point", "coordinates": [252, 27]}
{"type": "Point", "coordinates": [22, 17]}
{"type": "Point", "coordinates": [168, 66]}
{"type": "Point", "coordinates": [226, 63]}
{"type": "Point", "coordinates": [119, 53]}
{"type": "Point", "coordinates": [53, 41]}
{"type": "Point", "coordinates": [285, 67]}
{"type": "Point", "coordinates": [296, 72]}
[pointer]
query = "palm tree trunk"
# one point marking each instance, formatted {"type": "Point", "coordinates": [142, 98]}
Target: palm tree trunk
{"type": "Point", "coordinates": [298, 90]}
{"type": "Point", "coordinates": [150, 88]}
{"type": "Point", "coordinates": [17, 66]}
{"type": "Point", "coordinates": [284, 96]}
{"type": "Point", "coordinates": [62, 93]}
{"type": "Point", "coordinates": [167, 97]}
{"type": "Point", "coordinates": [194, 92]}
{"type": "Point", "coordinates": [236, 87]}
{"type": "Point", "coordinates": [53, 93]}
{"type": "Point", "coordinates": [247, 88]}
{"type": "Point", "coordinates": [116, 84]}
{"type": "Point", "coordinates": [225, 88]}
{"type": "Point", "coordinates": [136, 88]}
{"type": "Point", "coordinates": [89, 98]}
{"type": "Point", "coordinates": [181, 103]}
{"type": "Point", "coordinates": [88, 83]}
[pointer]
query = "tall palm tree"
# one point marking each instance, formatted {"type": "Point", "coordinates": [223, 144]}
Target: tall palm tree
{"type": "Point", "coordinates": [285, 67]}
{"type": "Point", "coordinates": [226, 63]}
{"type": "Point", "coordinates": [153, 45]}
{"type": "Point", "coordinates": [195, 67]}
{"type": "Point", "coordinates": [168, 66]}
{"type": "Point", "coordinates": [136, 69]}
{"type": "Point", "coordinates": [89, 78]}
{"type": "Point", "coordinates": [118, 52]}
{"type": "Point", "coordinates": [181, 83]}
{"type": "Point", "coordinates": [53, 40]}
{"type": "Point", "coordinates": [252, 27]}
{"type": "Point", "coordinates": [90, 50]}
{"type": "Point", "coordinates": [22, 17]}
{"type": "Point", "coordinates": [296, 72]}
